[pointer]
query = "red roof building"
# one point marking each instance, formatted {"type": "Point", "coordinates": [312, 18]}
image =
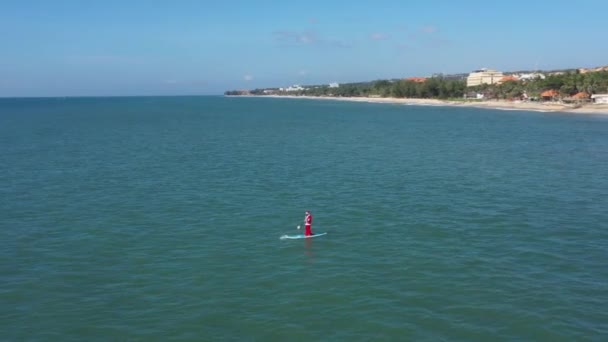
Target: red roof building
{"type": "Point", "coordinates": [416, 79]}
{"type": "Point", "coordinates": [549, 94]}
{"type": "Point", "coordinates": [580, 96]}
{"type": "Point", "coordinates": [508, 78]}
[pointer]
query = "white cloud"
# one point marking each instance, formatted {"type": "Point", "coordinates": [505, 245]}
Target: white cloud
{"type": "Point", "coordinates": [248, 77]}
{"type": "Point", "coordinates": [378, 36]}
{"type": "Point", "coordinates": [306, 38]}
{"type": "Point", "coordinates": [429, 29]}
{"type": "Point", "coordinates": [297, 38]}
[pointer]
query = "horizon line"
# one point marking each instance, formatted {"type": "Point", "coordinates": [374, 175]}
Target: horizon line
{"type": "Point", "coordinates": [98, 96]}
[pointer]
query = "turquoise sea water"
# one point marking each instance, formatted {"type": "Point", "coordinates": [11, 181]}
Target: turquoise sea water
{"type": "Point", "coordinates": [159, 218]}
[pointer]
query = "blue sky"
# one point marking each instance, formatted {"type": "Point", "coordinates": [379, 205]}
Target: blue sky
{"type": "Point", "coordinates": [83, 48]}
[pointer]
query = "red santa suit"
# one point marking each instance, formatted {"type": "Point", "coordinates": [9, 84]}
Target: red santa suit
{"type": "Point", "coordinates": [308, 224]}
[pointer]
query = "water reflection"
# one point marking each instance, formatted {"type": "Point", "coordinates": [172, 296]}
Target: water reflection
{"type": "Point", "coordinates": [308, 249]}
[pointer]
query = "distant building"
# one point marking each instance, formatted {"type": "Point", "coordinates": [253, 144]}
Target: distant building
{"type": "Point", "coordinates": [451, 77]}
{"type": "Point", "coordinates": [295, 87]}
{"type": "Point", "coordinates": [531, 76]}
{"type": "Point", "coordinates": [577, 98]}
{"type": "Point", "coordinates": [549, 95]}
{"type": "Point", "coordinates": [484, 76]}
{"type": "Point", "coordinates": [334, 85]}
{"type": "Point", "coordinates": [508, 78]}
{"type": "Point", "coordinates": [584, 70]}
{"type": "Point", "coordinates": [600, 98]}
{"type": "Point", "coordinates": [416, 79]}
{"type": "Point", "coordinates": [580, 95]}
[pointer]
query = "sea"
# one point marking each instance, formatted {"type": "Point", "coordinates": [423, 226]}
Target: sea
{"type": "Point", "coordinates": [159, 218]}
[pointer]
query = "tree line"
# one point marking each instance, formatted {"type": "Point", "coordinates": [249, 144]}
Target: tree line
{"type": "Point", "coordinates": [567, 84]}
{"type": "Point", "coordinates": [435, 87]}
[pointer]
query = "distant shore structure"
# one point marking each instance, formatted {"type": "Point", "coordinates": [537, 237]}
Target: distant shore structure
{"type": "Point", "coordinates": [531, 76]}
{"type": "Point", "coordinates": [484, 76]}
{"type": "Point", "coordinates": [416, 79]}
{"type": "Point", "coordinates": [600, 98]}
{"type": "Point", "coordinates": [295, 87]}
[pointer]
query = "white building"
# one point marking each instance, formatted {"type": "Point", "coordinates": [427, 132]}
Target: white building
{"type": "Point", "coordinates": [600, 98]}
{"type": "Point", "coordinates": [484, 76]}
{"type": "Point", "coordinates": [532, 76]}
{"type": "Point", "coordinates": [295, 87]}
{"type": "Point", "coordinates": [334, 85]}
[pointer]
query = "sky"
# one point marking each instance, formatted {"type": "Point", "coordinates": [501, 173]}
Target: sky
{"type": "Point", "coordinates": [125, 48]}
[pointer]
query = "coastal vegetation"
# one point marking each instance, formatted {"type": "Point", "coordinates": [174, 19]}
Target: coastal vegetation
{"type": "Point", "coordinates": [562, 85]}
{"type": "Point", "coordinates": [435, 87]}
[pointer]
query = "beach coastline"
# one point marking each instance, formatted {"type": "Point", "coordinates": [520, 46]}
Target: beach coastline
{"type": "Point", "coordinates": [488, 104]}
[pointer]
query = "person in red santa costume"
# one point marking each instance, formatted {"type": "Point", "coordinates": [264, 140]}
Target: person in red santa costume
{"type": "Point", "coordinates": [308, 224]}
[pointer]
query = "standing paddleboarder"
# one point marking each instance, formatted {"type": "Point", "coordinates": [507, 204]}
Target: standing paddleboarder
{"type": "Point", "coordinates": [308, 223]}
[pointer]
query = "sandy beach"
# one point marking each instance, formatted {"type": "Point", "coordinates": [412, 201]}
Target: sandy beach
{"type": "Point", "coordinates": [493, 104]}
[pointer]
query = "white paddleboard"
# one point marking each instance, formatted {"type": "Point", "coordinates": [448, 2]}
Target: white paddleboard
{"type": "Point", "coordinates": [301, 236]}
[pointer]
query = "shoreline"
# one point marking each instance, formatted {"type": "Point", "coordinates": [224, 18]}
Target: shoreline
{"type": "Point", "coordinates": [490, 104]}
